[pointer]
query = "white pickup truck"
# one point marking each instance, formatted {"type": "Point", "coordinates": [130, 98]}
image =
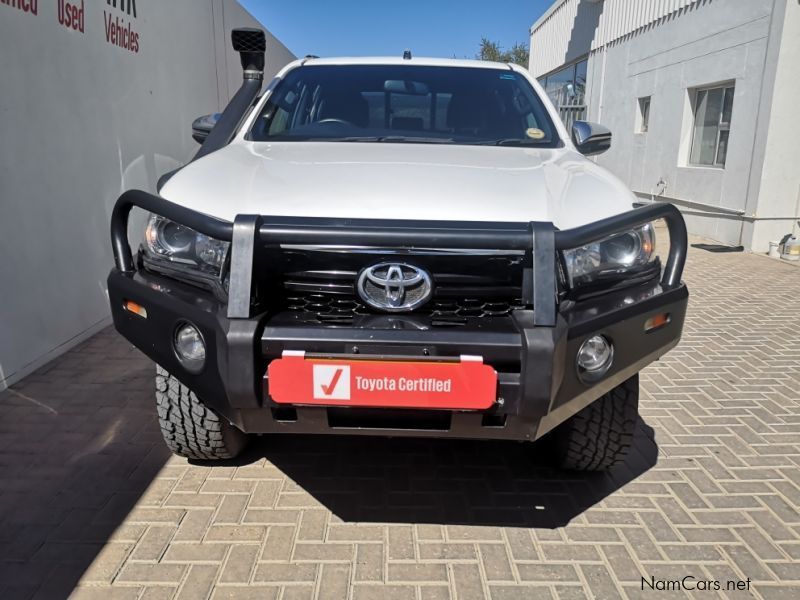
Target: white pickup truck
{"type": "Point", "coordinates": [402, 247]}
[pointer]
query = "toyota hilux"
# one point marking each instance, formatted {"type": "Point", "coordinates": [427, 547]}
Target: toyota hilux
{"type": "Point", "coordinates": [402, 247]}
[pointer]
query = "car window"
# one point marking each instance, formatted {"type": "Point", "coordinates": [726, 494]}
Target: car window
{"type": "Point", "coordinates": [457, 105]}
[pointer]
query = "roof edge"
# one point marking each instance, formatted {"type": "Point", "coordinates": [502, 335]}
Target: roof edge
{"type": "Point", "coordinates": [398, 60]}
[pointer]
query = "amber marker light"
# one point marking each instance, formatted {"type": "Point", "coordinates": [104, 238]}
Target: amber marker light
{"type": "Point", "coordinates": [136, 309]}
{"type": "Point", "coordinates": [656, 322]}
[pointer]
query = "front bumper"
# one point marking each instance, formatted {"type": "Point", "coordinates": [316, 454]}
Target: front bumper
{"type": "Point", "coordinates": [538, 385]}
{"type": "Point", "coordinates": [533, 351]}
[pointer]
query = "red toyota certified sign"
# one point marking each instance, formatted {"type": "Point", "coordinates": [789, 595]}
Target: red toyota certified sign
{"type": "Point", "coordinates": [465, 385]}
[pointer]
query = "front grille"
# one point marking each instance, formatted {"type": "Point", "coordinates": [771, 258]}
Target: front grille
{"type": "Point", "coordinates": [323, 305]}
{"type": "Point", "coordinates": [321, 282]}
{"type": "Point", "coordinates": [474, 307]}
{"type": "Point", "coordinates": [331, 306]}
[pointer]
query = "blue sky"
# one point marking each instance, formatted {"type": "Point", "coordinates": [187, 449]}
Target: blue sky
{"type": "Point", "coordinates": [441, 28]}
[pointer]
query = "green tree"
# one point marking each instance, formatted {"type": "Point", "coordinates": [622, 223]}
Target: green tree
{"type": "Point", "coordinates": [520, 55]}
{"type": "Point", "coordinates": [490, 50]}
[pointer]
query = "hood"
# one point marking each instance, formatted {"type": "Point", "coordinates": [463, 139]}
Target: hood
{"type": "Point", "coordinates": [399, 181]}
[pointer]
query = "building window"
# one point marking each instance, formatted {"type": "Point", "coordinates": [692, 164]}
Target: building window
{"type": "Point", "coordinates": [643, 117]}
{"type": "Point", "coordinates": [712, 124]}
{"type": "Point", "coordinates": [567, 89]}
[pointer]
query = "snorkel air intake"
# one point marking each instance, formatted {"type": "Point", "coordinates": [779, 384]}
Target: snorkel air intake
{"type": "Point", "coordinates": [251, 45]}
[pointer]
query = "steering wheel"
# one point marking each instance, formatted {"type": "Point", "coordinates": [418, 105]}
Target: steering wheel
{"type": "Point", "coordinates": [335, 120]}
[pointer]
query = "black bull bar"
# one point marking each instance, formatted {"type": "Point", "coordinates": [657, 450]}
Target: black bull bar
{"type": "Point", "coordinates": [542, 239]}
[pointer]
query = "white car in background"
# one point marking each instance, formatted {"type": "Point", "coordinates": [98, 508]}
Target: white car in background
{"type": "Point", "coordinates": [403, 247]}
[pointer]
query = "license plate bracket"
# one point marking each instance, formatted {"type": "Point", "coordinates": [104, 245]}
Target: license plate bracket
{"type": "Point", "coordinates": [462, 383]}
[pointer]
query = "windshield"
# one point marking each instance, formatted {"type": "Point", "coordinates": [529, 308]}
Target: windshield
{"type": "Point", "coordinates": [403, 103]}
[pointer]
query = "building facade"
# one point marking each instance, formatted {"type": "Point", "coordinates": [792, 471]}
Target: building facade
{"type": "Point", "coordinates": [97, 97]}
{"type": "Point", "coordinates": [700, 97]}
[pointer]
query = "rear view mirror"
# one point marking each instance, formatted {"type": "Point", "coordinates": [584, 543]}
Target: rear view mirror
{"type": "Point", "coordinates": [398, 86]}
{"type": "Point", "coordinates": [590, 138]}
{"type": "Point", "coordinates": [202, 126]}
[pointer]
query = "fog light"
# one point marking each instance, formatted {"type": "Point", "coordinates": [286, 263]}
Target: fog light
{"type": "Point", "coordinates": [189, 347]}
{"type": "Point", "coordinates": [594, 358]}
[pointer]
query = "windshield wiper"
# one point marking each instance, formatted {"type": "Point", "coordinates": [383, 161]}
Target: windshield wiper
{"type": "Point", "coordinates": [511, 142]}
{"type": "Point", "coordinates": [405, 139]}
{"type": "Point", "coordinates": [388, 139]}
{"type": "Point", "coordinates": [414, 140]}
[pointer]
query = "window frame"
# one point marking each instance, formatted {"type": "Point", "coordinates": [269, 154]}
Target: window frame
{"type": "Point", "coordinates": [728, 87]}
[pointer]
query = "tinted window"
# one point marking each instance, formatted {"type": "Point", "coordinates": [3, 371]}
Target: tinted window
{"type": "Point", "coordinates": [405, 103]}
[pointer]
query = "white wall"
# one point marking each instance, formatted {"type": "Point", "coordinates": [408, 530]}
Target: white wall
{"type": "Point", "coordinates": [570, 28]}
{"type": "Point", "coordinates": [711, 44]}
{"type": "Point", "coordinates": [82, 121]}
{"type": "Point", "coordinates": [775, 187]}
{"type": "Point", "coordinates": [754, 43]}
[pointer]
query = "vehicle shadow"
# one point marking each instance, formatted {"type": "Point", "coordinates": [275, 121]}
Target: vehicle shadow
{"type": "Point", "coordinates": [79, 446]}
{"type": "Point", "coordinates": [499, 483]}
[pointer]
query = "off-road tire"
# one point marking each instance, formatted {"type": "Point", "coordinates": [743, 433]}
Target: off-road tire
{"type": "Point", "coordinates": [189, 428]}
{"type": "Point", "coordinates": [601, 435]}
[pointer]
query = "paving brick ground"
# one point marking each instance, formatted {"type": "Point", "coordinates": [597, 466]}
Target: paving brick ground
{"type": "Point", "coordinates": [89, 497]}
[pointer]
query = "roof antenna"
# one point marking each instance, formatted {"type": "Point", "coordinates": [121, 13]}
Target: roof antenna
{"type": "Point", "coordinates": [407, 54]}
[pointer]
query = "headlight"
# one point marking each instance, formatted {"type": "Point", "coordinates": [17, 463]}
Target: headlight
{"type": "Point", "coordinates": [167, 241]}
{"type": "Point", "coordinates": [612, 257]}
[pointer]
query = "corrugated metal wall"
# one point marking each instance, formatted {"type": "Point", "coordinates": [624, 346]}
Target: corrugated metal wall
{"type": "Point", "coordinates": [621, 17]}
{"type": "Point", "coordinates": [550, 39]}
{"type": "Point", "coordinates": [572, 28]}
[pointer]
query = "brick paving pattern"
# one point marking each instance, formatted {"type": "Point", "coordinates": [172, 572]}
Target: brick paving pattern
{"type": "Point", "coordinates": [92, 504]}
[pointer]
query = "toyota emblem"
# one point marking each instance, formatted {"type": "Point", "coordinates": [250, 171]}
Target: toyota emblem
{"type": "Point", "coordinates": [394, 287]}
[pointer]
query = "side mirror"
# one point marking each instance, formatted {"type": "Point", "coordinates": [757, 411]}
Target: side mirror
{"type": "Point", "coordinates": [590, 138]}
{"type": "Point", "coordinates": [202, 126]}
